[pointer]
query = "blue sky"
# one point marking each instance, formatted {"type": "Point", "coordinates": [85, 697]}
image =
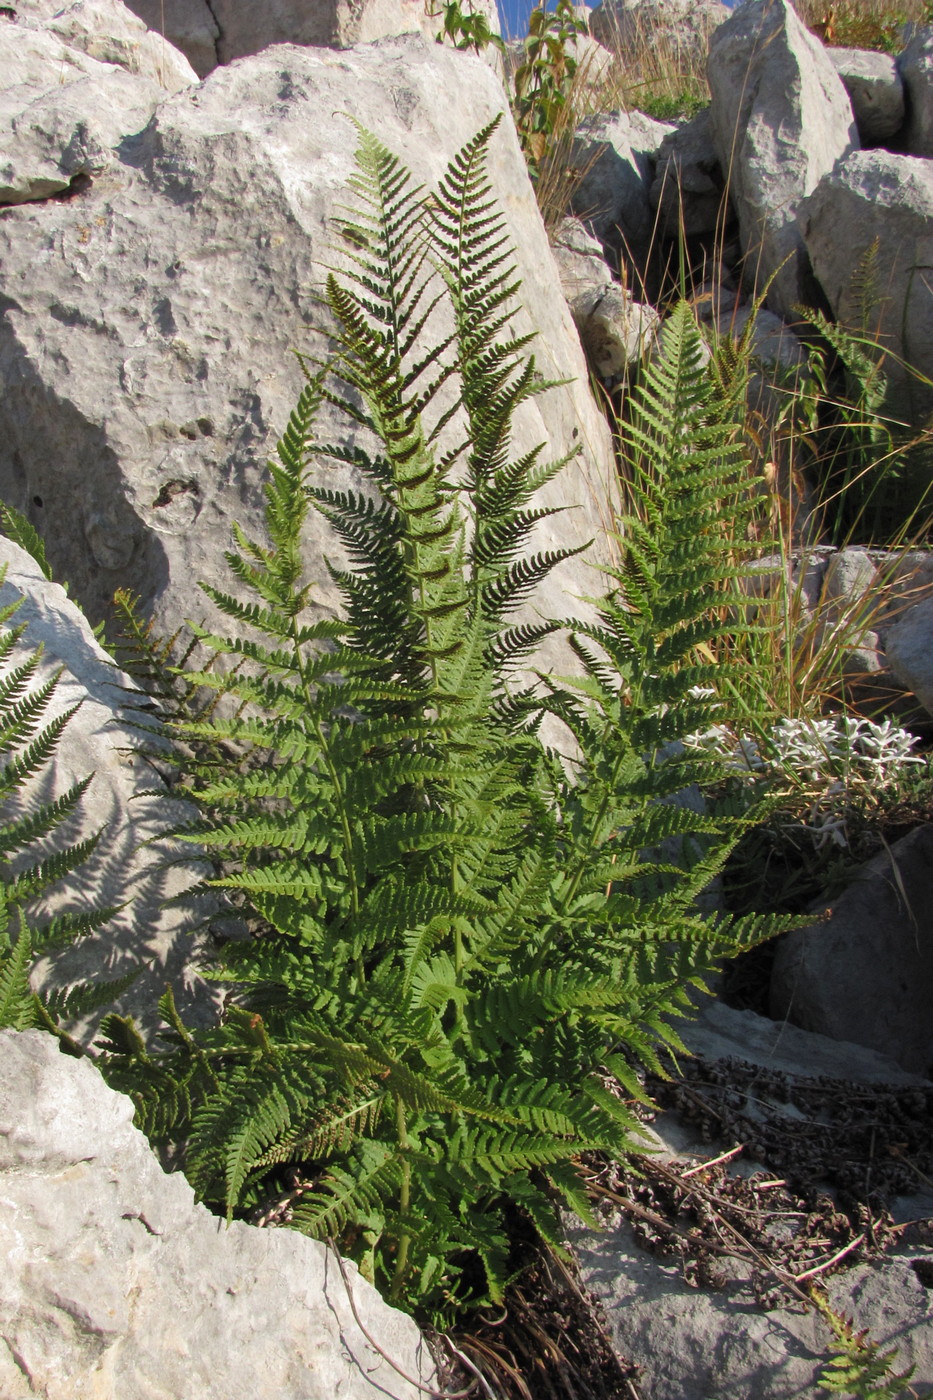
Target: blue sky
{"type": "Point", "coordinates": [513, 16]}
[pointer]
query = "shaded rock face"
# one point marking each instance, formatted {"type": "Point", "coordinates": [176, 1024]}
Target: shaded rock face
{"type": "Point", "coordinates": [876, 195]}
{"type": "Point", "coordinates": [915, 67]}
{"type": "Point", "coordinates": [721, 1032]}
{"type": "Point", "coordinates": [866, 973]}
{"type": "Point", "coordinates": [615, 152]}
{"type": "Point", "coordinates": [143, 936]}
{"type": "Point", "coordinates": [615, 330]}
{"type": "Point", "coordinates": [688, 188]}
{"type": "Point", "coordinates": [116, 1285]}
{"type": "Point", "coordinates": [875, 91]}
{"type": "Point", "coordinates": [781, 119]}
{"type": "Point", "coordinates": [222, 30]}
{"type": "Point", "coordinates": [909, 651]}
{"type": "Point", "coordinates": [145, 345]}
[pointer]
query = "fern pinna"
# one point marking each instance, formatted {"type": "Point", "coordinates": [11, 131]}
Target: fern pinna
{"type": "Point", "coordinates": [33, 855]}
{"type": "Point", "coordinates": [462, 943]}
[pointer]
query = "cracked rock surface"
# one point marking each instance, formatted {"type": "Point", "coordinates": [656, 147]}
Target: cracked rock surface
{"type": "Point", "coordinates": [117, 1286]}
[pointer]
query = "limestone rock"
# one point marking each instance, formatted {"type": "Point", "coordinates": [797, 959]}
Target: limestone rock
{"type": "Point", "coordinates": [222, 30]}
{"type": "Point", "coordinates": [62, 113]}
{"type": "Point", "coordinates": [595, 65]}
{"type": "Point", "coordinates": [616, 330]}
{"type": "Point", "coordinates": [146, 349]}
{"type": "Point", "coordinates": [877, 195]}
{"type": "Point", "coordinates": [581, 265]}
{"type": "Point", "coordinates": [188, 25]}
{"type": "Point", "coordinates": [678, 28]}
{"type": "Point", "coordinates": [866, 973]}
{"type": "Point", "coordinates": [117, 1285]}
{"type": "Point", "coordinates": [109, 32]}
{"type": "Point", "coordinates": [688, 189]}
{"type": "Point", "coordinates": [915, 66]}
{"type": "Point", "coordinates": [875, 90]}
{"type": "Point", "coordinates": [781, 119]}
{"type": "Point", "coordinates": [721, 1032]}
{"type": "Point", "coordinates": [908, 646]}
{"type": "Point", "coordinates": [615, 154]}
{"type": "Point", "coordinates": [143, 935]}
{"type": "Point", "coordinates": [847, 616]}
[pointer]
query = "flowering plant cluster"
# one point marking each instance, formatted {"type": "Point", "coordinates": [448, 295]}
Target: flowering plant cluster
{"type": "Point", "coordinates": [825, 767]}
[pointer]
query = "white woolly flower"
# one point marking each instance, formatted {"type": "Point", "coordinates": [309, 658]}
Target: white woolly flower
{"type": "Point", "coordinates": [842, 758]}
{"type": "Point", "coordinates": [885, 748]}
{"type": "Point", "coordinates": [806, 747]}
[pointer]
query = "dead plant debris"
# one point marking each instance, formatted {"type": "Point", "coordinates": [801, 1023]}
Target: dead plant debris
{"type": "Point", "coordinates": [868, 1141]}
{"type": "Point", "coordinates": [550, 1340]}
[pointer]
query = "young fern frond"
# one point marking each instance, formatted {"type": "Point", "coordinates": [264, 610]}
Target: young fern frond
{"type": "Point", "coordinates": [858, 1368]}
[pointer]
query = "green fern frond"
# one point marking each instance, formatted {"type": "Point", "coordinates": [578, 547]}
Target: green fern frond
{"type": "Point", "coordinates": [33, 856]}
{"type": "Point", "coordinates": [859, 1367]}
{"type": "Point", "coordinates": [72, 1003]}
{"type": "Point", "coordinates": [18, 529]}
{"type": "Point", "coordinates": [17, 1008]}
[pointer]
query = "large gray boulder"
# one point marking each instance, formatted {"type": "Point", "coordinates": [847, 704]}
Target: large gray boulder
{"type": "Point", "coordinates": [781, 120]}
{"type": "Point", "coordinates": [875, 90]}
{"type": "Point", "coordinates": [109, 32]}
{"type": "Point", "coordinates": [884, 202]}
{"type": "Point", "coordinates": [146, 347]}
{"type": "Point", "coordinates": [915, 66]}
{"type": "Point", "coordinates": [864, 971]}
{"type": "Point", "coordinates": [908, 646]}
{"type": "Point", "coordinates": [116, 1285]}
{"type": "Point", "coordinates": [211, 32]}
{"type": "Point", "coordinates": [143, 936]}
{"type": "Point", "coordinates": [721, 1032]}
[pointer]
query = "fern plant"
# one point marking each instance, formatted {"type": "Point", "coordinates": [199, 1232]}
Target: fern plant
{"type": "Point", "coordinates": [33, 857]}
{"type": "Point", "coordinates": [858, 1367]}
{"type": "Point", "coordinates": [465, 947]}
